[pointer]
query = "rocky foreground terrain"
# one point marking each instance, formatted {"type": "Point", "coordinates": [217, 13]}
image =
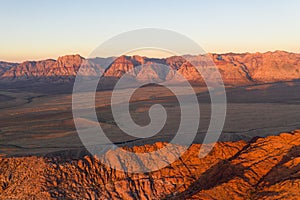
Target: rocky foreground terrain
{"type": "Point", "coordinates": [236, 69]}
{"type": "Point", "coordinates": [264, 168]}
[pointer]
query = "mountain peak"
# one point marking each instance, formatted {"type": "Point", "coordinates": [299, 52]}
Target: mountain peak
{"type": "Point", "coordinates": [236, 69]}
{"type": "Point", "coordinates": [70, 57]}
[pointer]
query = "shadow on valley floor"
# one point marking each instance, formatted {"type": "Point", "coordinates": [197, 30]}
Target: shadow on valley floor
{"type": "Point", "coordinates": [42, 122]}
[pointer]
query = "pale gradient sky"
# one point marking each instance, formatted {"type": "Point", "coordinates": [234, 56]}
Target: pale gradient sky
{"type": "Point", "coordinates": [36, 29]}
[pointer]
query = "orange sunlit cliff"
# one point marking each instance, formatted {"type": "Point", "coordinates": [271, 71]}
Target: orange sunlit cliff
{"type": "Point", "coordinates": [264, 168]}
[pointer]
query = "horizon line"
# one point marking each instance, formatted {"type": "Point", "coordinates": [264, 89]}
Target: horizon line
{"type": "Point", "coordinates": [104, 57]}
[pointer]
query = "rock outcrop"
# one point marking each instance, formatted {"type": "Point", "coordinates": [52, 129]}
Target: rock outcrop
{"type": "Point", "coordinates": [5, 66]}
{"type": "Point", "coordinates": [63, 69]}
{"type": "Point", "coordinates": [264, 168]}
{"type": "Point", "coordinates": [236, 69]}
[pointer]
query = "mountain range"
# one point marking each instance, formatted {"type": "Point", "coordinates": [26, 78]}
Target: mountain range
{"type": "Point", "coordinates": [235, 69]}
{"type": "Point", "coordinates": [259, 168]}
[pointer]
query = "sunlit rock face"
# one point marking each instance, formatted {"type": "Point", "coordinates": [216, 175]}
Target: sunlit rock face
{"type": "Point", "coordinates": [264, 168]}
{"type": "Point", "coordinates": [236, 69]}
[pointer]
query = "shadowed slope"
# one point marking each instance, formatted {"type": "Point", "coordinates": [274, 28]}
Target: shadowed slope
{"type": "Point", "coordinates": [264, 168]}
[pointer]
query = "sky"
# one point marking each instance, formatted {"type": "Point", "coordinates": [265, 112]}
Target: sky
{"type": "Point", "coordinates": [35, 29]}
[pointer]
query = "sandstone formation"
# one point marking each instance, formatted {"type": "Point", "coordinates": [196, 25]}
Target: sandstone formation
{"type": "Point", "coordinates": [236, 69]}
{"type": "Point", "coordinates": [5, 66]}
{"type": "Point", "coordinates": [264, 168]}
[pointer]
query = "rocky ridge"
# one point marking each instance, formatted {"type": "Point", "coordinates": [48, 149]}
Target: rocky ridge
{"type": "Point", "coordinates": [264, 168]}
{"type": "Point", "coordinates": [236, 69]}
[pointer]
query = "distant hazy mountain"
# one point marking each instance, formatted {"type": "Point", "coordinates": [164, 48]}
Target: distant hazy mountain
{"type": "Point", "coordinates": [236, 69]}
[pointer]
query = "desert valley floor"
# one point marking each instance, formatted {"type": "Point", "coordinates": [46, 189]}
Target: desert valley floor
{"type": "Point", "coordinates": [33, 122]}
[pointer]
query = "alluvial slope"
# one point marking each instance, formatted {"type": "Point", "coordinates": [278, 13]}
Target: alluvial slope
{"type": "Point", "coordinates": [236, 69]}
{"type": "Point", "coordinates": [264, 168]}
